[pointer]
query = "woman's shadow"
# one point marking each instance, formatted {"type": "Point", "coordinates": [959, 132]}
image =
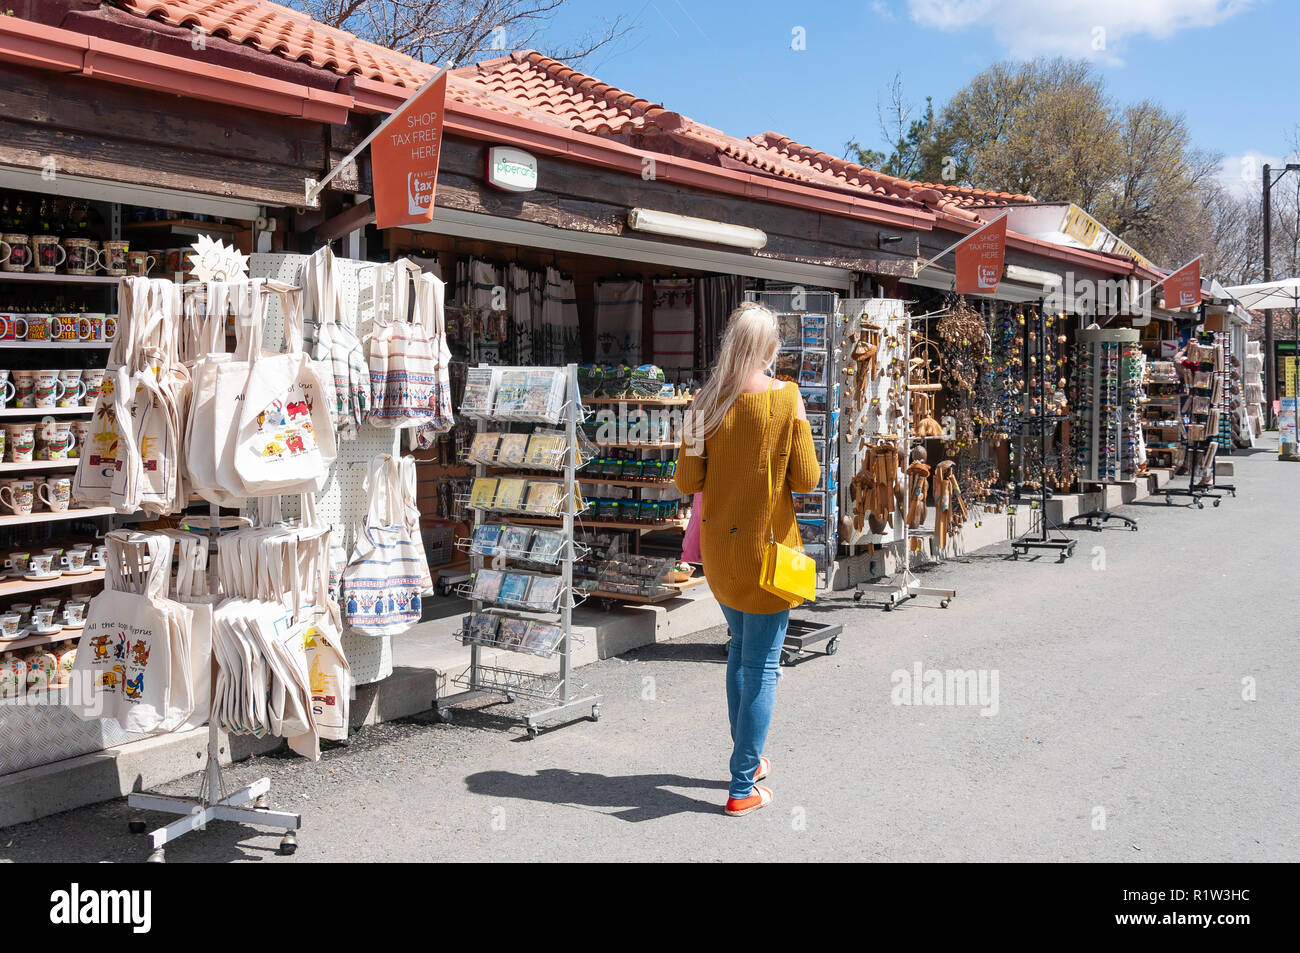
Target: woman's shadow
{"type": "Point", "coordinates": [635, 797]}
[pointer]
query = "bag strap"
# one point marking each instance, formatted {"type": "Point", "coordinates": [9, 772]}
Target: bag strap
{"type": "Point", "coordinates": [767, 459]}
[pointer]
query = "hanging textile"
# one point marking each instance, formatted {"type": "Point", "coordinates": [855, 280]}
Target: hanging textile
{"type": "Point", "coordinates": [345, 376]}
{"type": "Point", "coordinates": [719, 296]}
{"type": "Point", "coordinates": [409, 358]}
{"type": "Point", "coordinates": [673, 321]}
{"type": "Point", "coordinates": [519, 303]}
{"type": "Point", "coordinates": [560, 319]}
{"type": "Point", "coordinates": [618, 322]}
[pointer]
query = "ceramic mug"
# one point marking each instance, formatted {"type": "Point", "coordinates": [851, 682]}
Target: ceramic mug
{"type": "Point", "coordinates": [24, 609]}
{"type": "Point", "coordinates": [18, 252]}
{"type": "Point", "coordinates": [47, 390]}
{"type": "Point", "coordinates": [139, 263]}
{"type": "Point", "coordinates": [83, 256]}
{"type": "Point", "coordinates": [59, 440]}
{"type": "Point", "coordinates": [93, 379]}
{"type": "Point", "coordinates": [47, 253]}
{"type": "Point", "coordinates": [80, 428]}
{"type": "Point", "coordinates": [38, 327]}
{"type": "Point", "coordinates": [99, 556]}
{"type": "Point", "coordinates": [110, 327]}
{"type": "Point", "coordinates": [19, 496]}
{"type": "Point", "coordinates": [43, 618]}
{"type": "Point", "coordinates": [56, 493]}
{"type": "Point", "coordinates": [9, 327]}
{"type": "Point", "coordinates": [74, 560]}
{"type": "Point", "coordinates": [74, 613]}
{"type": "Point", "coordinates": [17, 562]}
{"type": "Point", "coordinates": [90, 326]}
{"type": "Point", "coordinates": [22, 441]}
{"type": "Point", "coordinates": [63, 327]}
{"type": "Point", "coordinates": [115, 257]}
{"type": "Point", "coordinates": [7, 389]}
{"type": "Point", "coordinates": [74, 390]}
{"type": "Point", "coordinates": [11, 623]}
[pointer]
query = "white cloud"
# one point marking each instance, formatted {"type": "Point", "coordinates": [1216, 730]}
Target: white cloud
{"type": "Point", "coordinates": [1243, 174]}
{"type": "Point", "coordinates": [1090, 28]}
{"type": "Point", "coordinates": [882, 10]}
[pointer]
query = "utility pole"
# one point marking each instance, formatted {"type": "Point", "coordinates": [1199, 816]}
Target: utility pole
{"type": "Point", "coordinates": [1270, 359]}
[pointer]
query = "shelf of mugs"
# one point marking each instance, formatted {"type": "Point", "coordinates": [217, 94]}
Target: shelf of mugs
{"type": "Point", "coordinates": [36, 641]}
{"type": "Point", "coordinates": [25, 519]}
{"type": "Point", "coordinates": [18, 587]}
{"type": "Point", "coordinates": [44, 412]}
{"type": "Point", "coordinates": [10, 467]}
{"type": "Point", "coordinates": [61, 345]}
{"type": "Point", "coordinates": [62, 279]}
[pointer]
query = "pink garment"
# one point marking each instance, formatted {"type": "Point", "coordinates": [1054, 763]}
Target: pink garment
{"type": "Point", "coordinates": [691, 541]}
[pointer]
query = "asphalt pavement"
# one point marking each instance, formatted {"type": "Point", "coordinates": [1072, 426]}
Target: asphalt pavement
{"type": "Point", "coordinates": [1138, 704]}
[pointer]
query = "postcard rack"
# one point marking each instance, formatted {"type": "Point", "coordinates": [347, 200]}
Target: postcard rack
{"type": "Point", "coordinates": [480, 678]}
{"type": "Point", "coordinates": [1108, 385]}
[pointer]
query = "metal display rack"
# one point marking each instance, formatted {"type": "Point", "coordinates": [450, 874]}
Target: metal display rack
{"type": "Point", "coordinates": [908, 586]}
{"type": "Point", "coordinates": [1040, 422]}
{"type": "Point", "coordinates": [481, 679]}
{"type": "Point", "coordinates": [1106, 371]}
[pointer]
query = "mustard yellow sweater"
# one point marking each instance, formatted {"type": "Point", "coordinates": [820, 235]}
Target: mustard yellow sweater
{"type": "Point", "coordinates": [732, 475]}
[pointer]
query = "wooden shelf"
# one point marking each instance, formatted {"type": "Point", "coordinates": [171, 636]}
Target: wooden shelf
{"type": "Point", "coordinates": [38, 465]}
{"type": "Point", "coordinates": [45, 411]}
{"type": "Point", "coordinates": [33, 641]}
{"type": "Point", "coordinates": [12, 519]}
{"type": "Point", "coordinates": [45, 277]}
{"type": "Point", "coordinates": [18, 587]}
{"type": "Point", "coordinates": [186, 223]}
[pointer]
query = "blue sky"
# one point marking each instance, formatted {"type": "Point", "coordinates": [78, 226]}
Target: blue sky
{"type": "Point", "coordinates": [1228, 65]}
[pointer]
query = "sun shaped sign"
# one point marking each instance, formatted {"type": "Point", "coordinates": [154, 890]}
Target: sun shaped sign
{"type": "Point", "coordinates": [214, 261]}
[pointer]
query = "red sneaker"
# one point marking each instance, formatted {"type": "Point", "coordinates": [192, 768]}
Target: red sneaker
{"type": "Point", "coordinates": [739, 807]}
{"type": "Point", "coordinates": [764, 766]}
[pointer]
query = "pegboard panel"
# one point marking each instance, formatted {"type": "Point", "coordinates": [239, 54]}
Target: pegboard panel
{"type": "Point", "coordinates": [343, 502]}
{"type": "Point", "coordinates": [859, 423]}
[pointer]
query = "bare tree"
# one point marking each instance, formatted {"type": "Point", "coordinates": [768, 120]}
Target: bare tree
{"type": "Point", "coordinates": [462, 31]}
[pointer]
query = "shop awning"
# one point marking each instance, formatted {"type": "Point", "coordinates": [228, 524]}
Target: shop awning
{"type": "Point", "coordinates": [1263, 295]}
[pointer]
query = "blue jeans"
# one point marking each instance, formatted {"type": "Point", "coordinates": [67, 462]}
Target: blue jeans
{"type": "Point", "coordinates": [753, 666]}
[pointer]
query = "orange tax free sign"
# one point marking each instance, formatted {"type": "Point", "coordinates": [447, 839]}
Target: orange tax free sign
{"type": "Point", "coordinates": [404, 158]}
{"type": "Point", "coordinates": [979, 259]}
{"type": "Point", "coordinates": [1183, 287]}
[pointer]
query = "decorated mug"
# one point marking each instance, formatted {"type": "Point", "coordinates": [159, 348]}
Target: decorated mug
{"type": "Point", "coordinates": [63, 327]}
{"type": "Point", "coordinates": [74, 388]}
{"type": "Point", "coordinates": [22, 441]}
{"type": "Point", "coordinates": [17, 250]}
{"type": "Point", "coordinates": [7, 389]}
{"type": "Point", "coordinates": [19, 496]}
{"type": "Point", "coordinates": [39, 565]}
{"type": "Point", "coordinates": [13, 327]}
{"type": "Point", "coordinates": [114, 257]}
{"type": "Point", "coordinates": [38, 327]}
{"type": "Point", "coordinates": [47, 253]}
{"type": "Point", "coordinates": [24, 387]}
{"type": "Point", "coordinates": [47, 389]}
{"type": "Point", "coordinates": [139, 263]}
{"type": "Point", "coordinates": [93, 379]}
{"type": "Point", "coordinates": [83, 256]}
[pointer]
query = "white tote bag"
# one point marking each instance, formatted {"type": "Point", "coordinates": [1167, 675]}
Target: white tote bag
{"type": "Point", "coordinates": [382, 586]}
{"type": "Point", "coordinates": [403, 366]}
{"type": "Point", "coordinates": [284, 441]}
{"type": "Point", "coordinates": [345, 376]}
{"type": "Point", "coordinates": [130, 650]}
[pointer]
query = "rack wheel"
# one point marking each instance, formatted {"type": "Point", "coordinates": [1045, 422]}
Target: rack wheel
{"type": "Point", "coordinates": [1133, 528]}
{"type": "Point", "coordinates": [595, 713]}
{"type": "Point", "coordinates": [157, 857]}
{"type": "Point", "coordinates": [1217, 502]}
{"type": "Point", "coordinates": [288, 845]}
{"type": "Point", "coordinates": [889, 606]}
{"type": "Point", "coordinates": [1200, 505]}
{"type": "Point", "coordinates": [443, 716]}
{"type": "Point", "coordinates": [833, 646]}
{"type": "Point", "coordinates": [787, 659]}
{"type": "Point", "coordinates": [943, 603]}
{"type": "Point", "coordinates": [532, 732]}
{"type": "Point", "coordinates": [857, 595]}
{"type": "Point", "coordinates": [1168, 502]}
{"type": "Point", "coordinates": [262, 804]}
{"type": "Point", "coordinates": [510, 697]}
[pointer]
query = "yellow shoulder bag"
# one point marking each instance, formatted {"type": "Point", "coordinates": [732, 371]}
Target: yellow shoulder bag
{"type": "Point", "coordinates": [786, 572]}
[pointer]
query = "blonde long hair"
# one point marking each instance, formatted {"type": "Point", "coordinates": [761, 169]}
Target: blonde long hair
{"type": "Point", "coordinates": [749, 345]}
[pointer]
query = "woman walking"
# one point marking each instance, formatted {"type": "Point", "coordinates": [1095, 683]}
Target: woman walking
{"type": "Point", "coordinates": [743, 430]}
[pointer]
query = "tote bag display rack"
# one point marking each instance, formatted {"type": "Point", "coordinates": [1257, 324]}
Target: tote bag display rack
{"type": "Point", "coordinates": [481, 679]}
{"type": "Point", "coordinates": [908, 586]}
{"type": "Point", "coordinates": [247, 805]}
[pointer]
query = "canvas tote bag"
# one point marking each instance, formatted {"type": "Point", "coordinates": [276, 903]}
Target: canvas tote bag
{"type": "Point", "coordinates": [284, 441]}
{"type": "Point", "coordinates": [403, 368]}
{"type": "Point", "coordinates": [381, 588]}
{"type": "Point", "coordinates": [131, 649]}
{"type": "Point", "coordinates": [342, 366]}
